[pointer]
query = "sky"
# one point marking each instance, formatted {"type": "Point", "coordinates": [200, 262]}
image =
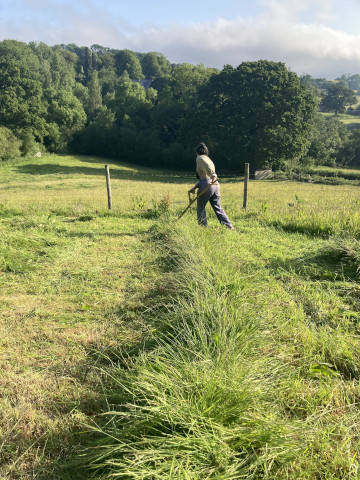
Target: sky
{"type": "Point", "coordinates": [316, 37]}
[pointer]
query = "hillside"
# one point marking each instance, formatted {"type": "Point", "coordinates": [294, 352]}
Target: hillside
{"type": "Point", "coordinates": [140, 108]}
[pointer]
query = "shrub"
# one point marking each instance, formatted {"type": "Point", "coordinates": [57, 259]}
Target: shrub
{"type": "Point", "coordinates": [9, 144]}
{"type": "Point", "coordinates": [29, 145]}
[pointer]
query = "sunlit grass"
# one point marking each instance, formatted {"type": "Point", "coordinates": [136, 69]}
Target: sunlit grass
{"type": "Point", "coordinates": [65, 272]}
{"type": "Point", "coordinates": [344, 118]}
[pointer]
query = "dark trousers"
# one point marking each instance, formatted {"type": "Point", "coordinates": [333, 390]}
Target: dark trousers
{"type": "Point", "coordinates": [212, 195]}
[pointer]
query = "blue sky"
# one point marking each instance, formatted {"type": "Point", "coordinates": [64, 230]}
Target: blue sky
{"type": "Point", "coordinates": [319, 37]}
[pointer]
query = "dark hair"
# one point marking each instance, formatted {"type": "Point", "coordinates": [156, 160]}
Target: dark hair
{"type": "Point", "coordinates": [202, 149]}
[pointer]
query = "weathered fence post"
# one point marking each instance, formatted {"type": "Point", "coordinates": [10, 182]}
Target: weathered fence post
{"type": "Point", "coordinates": [246, 183]}
{"type": "Point", "coordinates": [108, 186]}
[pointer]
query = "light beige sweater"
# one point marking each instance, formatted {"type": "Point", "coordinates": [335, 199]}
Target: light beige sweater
{"type": "Point", "coordinates": [205, 168]}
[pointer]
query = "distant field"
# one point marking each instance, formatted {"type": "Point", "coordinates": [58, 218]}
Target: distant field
{"type": "Point", "coordinates": [338, 171]}
{"type": "Point", "coordinates": [136, 346]}
{"type": "Point", "coordinates": [351, 121]}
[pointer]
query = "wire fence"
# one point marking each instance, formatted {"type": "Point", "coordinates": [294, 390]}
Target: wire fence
{"type": "Point", "coordinates": [258, 175]}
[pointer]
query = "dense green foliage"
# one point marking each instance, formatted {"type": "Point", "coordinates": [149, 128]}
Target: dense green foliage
{"type": "Point", "coordinates": [350, 153]}
{"type": "Point", "coordinates": [138, 107]}
{"type": "Point", "coordinates": [327, 136]}
{"type": "Point", "coordinates": [22, 105]}
{"type": "Point", "coordinates": [337, 97]}
{"type": "Point", "coordinates": [9, 144]}
{"type": "Point", "coordinates": [258, 112]}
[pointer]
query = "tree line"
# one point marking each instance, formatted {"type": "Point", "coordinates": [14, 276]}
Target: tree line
{"type": "Point", "coordinates": [142, 109]}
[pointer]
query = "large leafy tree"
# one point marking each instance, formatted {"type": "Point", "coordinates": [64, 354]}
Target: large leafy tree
{"type": "Point", "coordinates": [327, 137]}
{"type": "Point", "coordinates": [337, 97]}
{"type": "Point", "coordinates": [9, 144]}
{"type": "Point", "coordinates": [155, 65]}
{"type": "Point", "coordinates": [66, 117]}
{"type": "Point", "coordinates": [130, 103]}
{"type": "Point", "coordinates": [99, 137]}
{"type": "Point", "coordinates": [57, 66]}
{"type": "Point", "coordinates": [178, 100]}
{"type": "Point", "coordinates": [108, 78]}
{"type": "Point", "coordinates": [21, 105]}
{"type": "Point", "coordinates": [349, 155]}
{"type": "Point", "coordinates": [257, 113]}
{"type": "Point", "coordinates": [127, 60]}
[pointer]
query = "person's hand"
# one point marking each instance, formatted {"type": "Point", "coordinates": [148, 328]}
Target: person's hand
{"type": "Point", "coordinates": [192, 190]}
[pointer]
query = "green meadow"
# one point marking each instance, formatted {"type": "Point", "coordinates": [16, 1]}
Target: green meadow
{"type": "Point", "coordinates": [351, 121]}
{"type": "Point", "coordinates": [135, 346]}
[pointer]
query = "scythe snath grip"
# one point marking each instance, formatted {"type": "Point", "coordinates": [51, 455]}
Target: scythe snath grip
{"type": "Point", "coordinates": [193, 200]}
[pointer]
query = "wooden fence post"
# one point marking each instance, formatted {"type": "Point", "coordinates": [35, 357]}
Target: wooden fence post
{"type": "Point", "coordinates": [246, 183]}
{"type": "Point", "coordinates": [108, 186]}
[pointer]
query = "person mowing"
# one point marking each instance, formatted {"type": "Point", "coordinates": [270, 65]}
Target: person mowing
{"type": "Point", "coordinates": [205, 172]}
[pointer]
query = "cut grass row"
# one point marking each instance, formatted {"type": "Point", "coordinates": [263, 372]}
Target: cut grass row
{"type": "Point", "coordinates": [61, 290]}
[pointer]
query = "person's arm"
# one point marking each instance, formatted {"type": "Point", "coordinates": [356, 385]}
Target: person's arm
{"type": "Point", "coordinates": [192, 190]}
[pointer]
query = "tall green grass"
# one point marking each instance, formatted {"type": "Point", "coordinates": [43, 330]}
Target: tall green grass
{"type": "Point", "coordinates": [315, 210]}
{"type": "Point", "coordinates": [234, 387]}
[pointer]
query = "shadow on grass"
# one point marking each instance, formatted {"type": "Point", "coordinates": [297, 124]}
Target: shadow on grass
{"type": "Point", "coordinates": [311, 230]}
{"type": "Point", "coordinates": [225, 176]}
{"type": "Point", "coordinates": [331, 263]}
{"type": "Point", "coordinates": [116, 173]}
{"type": "Point", "coordinates": [122, 171]}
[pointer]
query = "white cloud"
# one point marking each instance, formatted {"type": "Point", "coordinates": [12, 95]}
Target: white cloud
{"type": "Point", "coordinates": [301, 34]}
{"type": "Point", "coordinates": [277, 34]}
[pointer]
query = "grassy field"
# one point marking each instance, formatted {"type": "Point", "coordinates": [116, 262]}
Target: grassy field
{"type": "Point", "coordinates": [336, 172]}
{"type": "Point", "coordinates": [352, 121]}
{"type": "Point", "coordinates": [134, 346]}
